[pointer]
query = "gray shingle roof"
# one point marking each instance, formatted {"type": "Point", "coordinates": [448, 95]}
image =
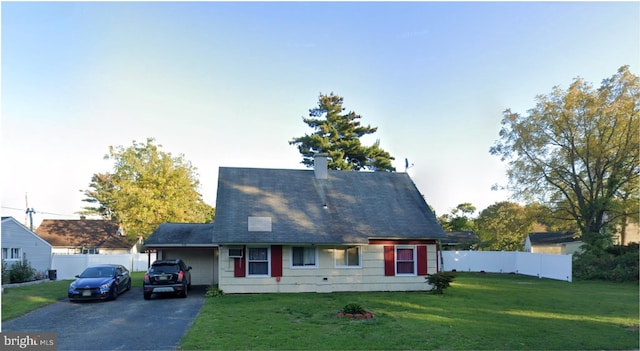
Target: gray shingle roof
{"type": "Point", "coordinates": [460, 237]}
{"type": "Point", "coordinates": [541, 238]}
{"type": "Point", "coordinates": [182, 234]}
{"type": "Point", "coordinates": [359, 206]}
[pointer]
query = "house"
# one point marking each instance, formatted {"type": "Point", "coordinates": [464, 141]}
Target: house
{"type": "Point", "coordinates": [627, 234]}
{"type": "Point", "coordinates": [460, 240]}
{"type": "Point", "coordinates": [18, 242]}
{"type": "Point", "coordinates": [192, 242]}
{"type": "Point", "coordinates": [85, 236]}
{"type": "Point", "coordinates": [560, 243]}
{"type": "Point", "coordinates": [320, 230]}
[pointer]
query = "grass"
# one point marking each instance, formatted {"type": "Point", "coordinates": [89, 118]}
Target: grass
{"type": "Point", "coordinates": [478, 312]}
{"type": "Point", "coordinates": [17, 301]}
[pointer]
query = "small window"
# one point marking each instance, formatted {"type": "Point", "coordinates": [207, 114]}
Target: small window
{"type": "Point", "coordinates": [347, 256]}
{"type": "Point", "coordinates": [303, 256]}
{"type": "Point", "coordinates": [405, 260]}
{"type": "Point", "coordinates": [15, 254]}
{"type": "Point", "coordinates": [258, 261]}
{"type": "Point", "coordinates": [5, 253]}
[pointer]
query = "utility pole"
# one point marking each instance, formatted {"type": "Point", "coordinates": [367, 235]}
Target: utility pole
{"type": "Point", "coordinates": [29, 212]}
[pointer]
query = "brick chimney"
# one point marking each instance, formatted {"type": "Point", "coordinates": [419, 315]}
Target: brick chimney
{"type": "Point", "coordinates": [320, 165]}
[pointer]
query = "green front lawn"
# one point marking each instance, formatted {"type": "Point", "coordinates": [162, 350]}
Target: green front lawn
{"type": "Point", "coordinates": [478, 312]}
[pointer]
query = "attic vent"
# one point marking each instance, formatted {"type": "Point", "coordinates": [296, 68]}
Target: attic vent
{"type": "Point", "coordinates": [320, 165]}
{"type": "Point", "coordinates": [259, 224]}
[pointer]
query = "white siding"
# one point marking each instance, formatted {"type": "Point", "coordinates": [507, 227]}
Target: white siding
{"type": "Point", "coordinates": [36, 249]}
{"type": "Point", "coordinates": [558, 249]}
{"type": "Point", "coordinates": [326, 277]}
{"type": "Point", "coordinates": [202, 261]}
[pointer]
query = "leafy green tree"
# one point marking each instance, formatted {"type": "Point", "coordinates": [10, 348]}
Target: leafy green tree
{"type": "Point", "coordinates": [577, 152]}
{"type": "Point", "coordinates": [338, 134]}
{"type": "Point", "coordinates": [504, 226]}
{"type": "Point", "coordinates": [460, 218]}
{"type": "Point", "coordinates": [147, 187]}
{"type": "Point", "coordinates": [545, 219]}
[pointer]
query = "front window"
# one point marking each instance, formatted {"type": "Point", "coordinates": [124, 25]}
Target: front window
{"type": "Point", "coordinates": [304, 256]}
{"type": "Point", "coordinates": [347, 256]}
{"type": "Point", "coordinates": [258, 261]}
{"type": "Point", "coordinates": [405, 260]}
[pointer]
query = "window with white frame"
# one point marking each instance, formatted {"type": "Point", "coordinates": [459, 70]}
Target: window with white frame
{"type": "Point", "coordinates": [303, 256]}
{"type": "Point", "coordinates": [13, 253]}
{"type": "Point", "coordinates": [258, 261]}
{"type": "Point", "coordinates": [405, 260]}
{"type": "Point", "coordinates": [347, 256]}
{"type": "Point", "coordinates": [90, 251]}
{"type": "Point", "coordinates": [16, 253]}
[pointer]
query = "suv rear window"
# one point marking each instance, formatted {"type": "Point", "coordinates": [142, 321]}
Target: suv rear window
{"type": "Point", "coordinates": [165, 268]}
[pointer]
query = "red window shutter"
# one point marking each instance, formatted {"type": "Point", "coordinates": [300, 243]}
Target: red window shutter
{"type": "Point", "coordinates": [389, 261]}
{"type": "Point", "coordinates": [276, 260]}
{"type": "Point", "coordinates": [239, 269]}
{"type": "Point", "coordinates": [422, 260]}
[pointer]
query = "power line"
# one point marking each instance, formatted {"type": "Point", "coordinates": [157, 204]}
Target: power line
{"type": "Point", "coordinates": [40, 212]}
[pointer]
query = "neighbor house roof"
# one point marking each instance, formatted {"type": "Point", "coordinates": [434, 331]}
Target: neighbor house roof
{"type": "Point", "coordinates": [460, 237]}
{"type": "Point", "coordinates": [257, 205]}
{"type": "Point", "coordinates": [83, 233]}
{"type": "Point", "coordinates": [546, 238]}
{"type": "Point", "coordinates": [181, 234]}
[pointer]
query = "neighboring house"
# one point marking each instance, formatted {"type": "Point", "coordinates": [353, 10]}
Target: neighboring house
{"type": "Point", "coordinates": [631, 234]}
{"type": "Point", "coordinates": [191, 242]}
{"type": "Point", "coordinates": [318, 231]}
{"type": "Point", "coordinates": [560, 243]}
{"type": "Point", "coordinates": [460, 240]}
{"type": "Point", "coordinates": [18, 242]}
{"type": "Point", "coordinates": [85, 236]}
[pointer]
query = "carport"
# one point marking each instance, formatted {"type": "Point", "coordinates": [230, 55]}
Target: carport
{"type": "Point", "coordinates": [191, 242]}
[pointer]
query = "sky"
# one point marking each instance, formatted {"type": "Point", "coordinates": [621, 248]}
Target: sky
{"type": "Point", "coordinates": [226, 84]}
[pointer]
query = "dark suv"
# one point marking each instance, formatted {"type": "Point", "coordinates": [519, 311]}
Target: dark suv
{"type": "Point", "coordinates": [167, 276]}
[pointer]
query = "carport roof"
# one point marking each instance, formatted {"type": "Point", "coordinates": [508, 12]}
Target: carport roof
{"type": "Point", "coordinates": [182, 235]}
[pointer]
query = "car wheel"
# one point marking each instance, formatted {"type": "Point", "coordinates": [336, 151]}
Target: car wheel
{"type": "Point", "coordinates": [114, 292]}
{"type": "Point", "coordinates": [147, 296]}
{"type": "Point", "coordinates": [184, 291]}
{"type": "Point", "coordinates": [129, 285]}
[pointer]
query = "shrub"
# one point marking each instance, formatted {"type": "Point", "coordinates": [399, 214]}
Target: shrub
{"type": "Point", "coordinates": [353, 308]}
{"type": "Point", "coordinates": [616, 263]}
{"type": "Point", "coordinates": [5, 272]}
{"type": "Point", "coordinates": [21, 271]}
{"type": "Point", "coordinates": [214, 291]}
{"type": "Point", "coordinates": [440, 281]}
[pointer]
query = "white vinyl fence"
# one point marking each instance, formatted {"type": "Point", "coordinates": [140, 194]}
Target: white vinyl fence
{"type": "Point", "coordinates": [68, 266]}
{"type": "Point", "coordinates": [535, 264]}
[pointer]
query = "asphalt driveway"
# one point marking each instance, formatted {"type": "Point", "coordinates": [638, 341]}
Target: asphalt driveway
{"type": "Point", "coordinates": [128, 323]}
